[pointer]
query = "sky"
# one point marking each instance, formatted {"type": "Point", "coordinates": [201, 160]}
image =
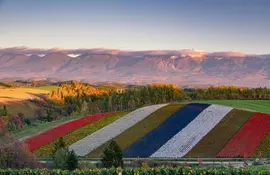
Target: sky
{"type": "Point", "coordinates": [211, 25]}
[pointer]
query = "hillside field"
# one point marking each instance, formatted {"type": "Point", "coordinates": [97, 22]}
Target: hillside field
{"type": "Point", "coordinates": [15, 99]}
{"type": "Point", "coordinates": [164, 131]}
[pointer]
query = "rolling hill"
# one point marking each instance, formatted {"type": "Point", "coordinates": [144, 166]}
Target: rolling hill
{"type": "Point", "coordinates": [164, 131]}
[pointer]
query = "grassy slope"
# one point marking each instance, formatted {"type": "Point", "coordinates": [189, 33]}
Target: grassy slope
{"type": "Point", "coordinates": [47, 88]}
{"type": "Point", "coordinates": [43, 127]}
{"type": "Point", "coordinates": [219, 136]}
{"type": "Point", "coordinates": [251, 105]}
{"type": "Point", "coordinates": [72, 137]}
{"type": "Point", "coordinates": [137, 131]}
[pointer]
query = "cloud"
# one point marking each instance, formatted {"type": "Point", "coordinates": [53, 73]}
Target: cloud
{"type": "Point", "coordinates": [176, 53]}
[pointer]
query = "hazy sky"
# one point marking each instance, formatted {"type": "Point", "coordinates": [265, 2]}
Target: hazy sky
{"type": "Point", "coordinates": [212, 25]}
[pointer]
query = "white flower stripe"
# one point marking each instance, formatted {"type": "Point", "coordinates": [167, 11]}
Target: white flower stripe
{"type": "Point", "coordinates": [96, 139]}
{"type": "Point", "coordinates": [179, 145]}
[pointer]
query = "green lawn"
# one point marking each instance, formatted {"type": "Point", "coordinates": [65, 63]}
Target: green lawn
{"type": "Point", "coordinates": [42, 127]}
{"type": "Point", "coordinates": [251, 105]}
{"type": "Point", "coordinates": [48, 88]}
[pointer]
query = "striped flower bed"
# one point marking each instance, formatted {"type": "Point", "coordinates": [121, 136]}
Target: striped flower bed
{"type": "Point", "coordinates": [246, 140]}
{"type": "Point", "coordinates": [187, 138]}
{"type": "Point", "coordinates": [91, 142]}
{"type": "Point", "coordinates": [57, 132]}
{"type": "Point", "coordinates": [219, 136]}
{"type": "Point", "coordinates": [139, 130]}
{"type": "Point", "coordinates": [151, 142]}
{"type": "Point", "coordinates": [80, 133]}
{"type": "Point", "coordinates": [263, 150]}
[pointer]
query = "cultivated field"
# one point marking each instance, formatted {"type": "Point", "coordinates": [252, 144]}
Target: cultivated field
{"type": "Point", "coordinates": [164, 131]}
{"type": "Point", "coordinates": [18, 94]}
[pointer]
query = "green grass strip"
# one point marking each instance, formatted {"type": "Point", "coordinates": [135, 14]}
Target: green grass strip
{"type": "Point", "coordinates": [263, 150]}
{"type": "Point", "coordinates": [218, 137]}
{"type": "Point", "coordinates": [42, 127]}
{"type": "Point", "coordinates": [74, 136]}
{"type": "Point", "coordinates": [253, 105]}
{"type": "Point", "coordinates": [139, 130]}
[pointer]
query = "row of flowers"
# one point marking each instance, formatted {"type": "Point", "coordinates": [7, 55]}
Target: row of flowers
{"type": "Point", "coordinates": [59, 131]}
{"type": "Point", "coordinates": [139, 130]}
{"type": "Point", "coordinates": [151, 142]}
{"type": "Point", "coordinates": [218, 137]}
{"type": "Point", "coordinates": [98, 138]}
{"type": "Point", "coordinates": [181, 143]}
{"type": "Point", "coordinates": [80, 133]}
{"type": "Point", "coordinates": [138, 171]}
{"type": "Point", "coordinates": [247, 139]}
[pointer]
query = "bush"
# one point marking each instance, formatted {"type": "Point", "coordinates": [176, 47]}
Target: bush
{"type": "Point", "coordinates": [60, 159]}
{"type": "Point", "coordinates": [14, 155]}
{"type": "Point", "coordinates": [112, 156]}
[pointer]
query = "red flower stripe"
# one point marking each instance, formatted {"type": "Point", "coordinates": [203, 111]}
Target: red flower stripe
{"type": "Point", "coordinates": [246, 140]}
{"type": "Point", "coordinates": [59, 131]}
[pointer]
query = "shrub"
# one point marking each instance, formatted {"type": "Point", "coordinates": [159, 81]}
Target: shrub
{"type": "Point", "coordinates": [14, 155]}
{"type": "Point", "coordinates": [112, 155]}
{"type": "Point", "coordinates": [60, 159]}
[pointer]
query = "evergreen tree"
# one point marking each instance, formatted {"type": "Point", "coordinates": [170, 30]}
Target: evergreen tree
{"type": "Point", "coordinates": [112, 156]}
{"type": "Point", "coordinates": [59, 144]}
{"type": "Point", "coordinates": [72, 161]}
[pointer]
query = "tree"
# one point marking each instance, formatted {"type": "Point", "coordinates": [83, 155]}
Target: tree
{"type": "Point", "coordinates": [60, 159]}
{"type": "Point", "coordinates": [34, 84]}
{"type": "Point", "coordinates": [72, 161]}
{"type": "Point", "coordinates": [59, 144]}
{"type": "Point", "coordinates": [5, 110]}
{"type": "Point", "coordinates": [112, 156]}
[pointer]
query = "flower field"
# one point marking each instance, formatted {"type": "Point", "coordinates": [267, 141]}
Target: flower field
{"type": "Point", "coordinates": [263, 150]}
{"type": "Point", "coordinates": [164, 131]}
{"type": "Point", "coordinates": [151, 142]}
{"type": "Point", "coordinates": [246, 140]}
{"type": "Point", "coordinates": [59, 131]}
{"type": "Point", "coordinates": [181, 143]}
{"type": "Point", "coordinates": [143, 127]}
{"type": "Point", "coordinates": [93, 141]}
{"type": "Point", "coordinates": [138, 171]}
{"type": "Point", "coordinates": [217, 138]}
{"type": "Point", "coordinates": [78, 134]}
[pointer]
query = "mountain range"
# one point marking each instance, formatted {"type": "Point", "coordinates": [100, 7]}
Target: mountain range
{"type": "Point", "coordinates": [183, 67]}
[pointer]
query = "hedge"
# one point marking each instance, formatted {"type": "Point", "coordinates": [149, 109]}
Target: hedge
{"type": "Point", "coordinates": [138, 171]}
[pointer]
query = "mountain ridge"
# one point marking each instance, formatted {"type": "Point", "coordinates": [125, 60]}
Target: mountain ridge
{"type": "Point", "coordinates": [182, 69]}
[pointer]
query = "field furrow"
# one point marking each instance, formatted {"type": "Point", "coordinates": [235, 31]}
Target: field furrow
{"type": "Point", "coordinates": [91, 142]}
{"type": "Point", "coordinates": [139, 130]}
{"type": "Point", "coordinates": [219, 136]}
{"type": "Point", "coordinates": [151, 142]}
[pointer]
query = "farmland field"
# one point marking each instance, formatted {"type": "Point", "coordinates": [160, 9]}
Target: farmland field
{"type": "Point", "coordinates": [250, 105]}
{"type": "Point", "coordinates": [47, 88]}
{"type": "Point", "coordinates": [18, 94]}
